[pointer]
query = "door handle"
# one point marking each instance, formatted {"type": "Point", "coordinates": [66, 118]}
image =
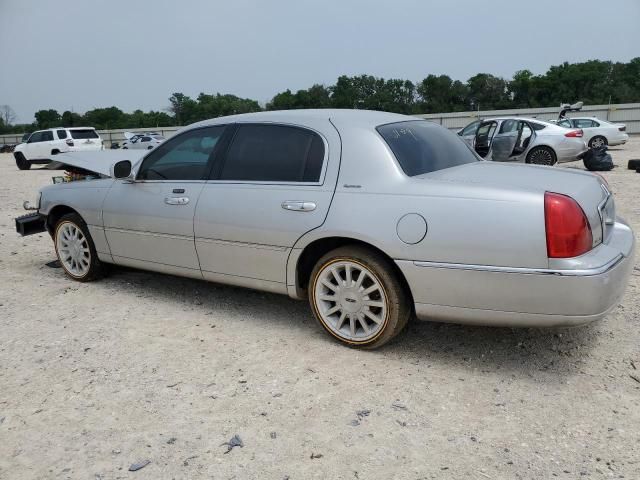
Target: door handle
{"type": "Point", "coordinates": [298, 205]}
{"type": "Point", "coordinates": [176, 200]}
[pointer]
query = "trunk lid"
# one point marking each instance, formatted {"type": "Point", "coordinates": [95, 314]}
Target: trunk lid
{"type": "Point", "coordinates": [589, 190]}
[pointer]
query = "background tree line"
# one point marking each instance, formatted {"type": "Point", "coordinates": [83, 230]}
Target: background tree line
{"type": "Point", "coordinates": [593, 82]}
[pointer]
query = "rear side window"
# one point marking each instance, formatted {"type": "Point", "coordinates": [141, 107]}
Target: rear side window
{"type": "Point", "coordinates": [422, 147]}
{"type": "Point", "coordinates": [83, 134]}
{"type": "Point", "coordinates": [274, 153]}
{"type": "Point", "coordinates": [62, 134]}
{"type": "Point", "coordinates": [47, 136]}
{"type": "Point", "coordinates": [537, 126]}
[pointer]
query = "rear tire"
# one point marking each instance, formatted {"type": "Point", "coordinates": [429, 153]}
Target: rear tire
{"type": "Point", "coordinates": [541, 156]}
{"type": "Point", "coordinates": [75, 249]}
{"type": "Point", "coordinates": [21, 162]}
{"type": "Point", "coordinates": [357, 297]}
{"type": "Point", "coordinates": [598, 141]}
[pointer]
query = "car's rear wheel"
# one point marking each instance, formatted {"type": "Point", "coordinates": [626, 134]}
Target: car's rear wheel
{"type": "Point", "coordinates": [75, 249]}
{"type": "Point", "coordinates": [21, 161]}
{"type": "Point", "coordinates": [357, 297]}
{"type": "Point", "coordinates": [541, 156]}
{"type": "Point", "coordinates": [598, 141]}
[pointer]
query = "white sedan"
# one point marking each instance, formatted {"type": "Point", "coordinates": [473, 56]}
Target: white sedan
{"type": "Point", "coordinates": [145, 141]}
{"type": "Point", "coordinates": [598, 132]}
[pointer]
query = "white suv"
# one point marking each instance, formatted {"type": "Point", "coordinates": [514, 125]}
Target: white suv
{"type": "Point", "coordinates": [41, 145]}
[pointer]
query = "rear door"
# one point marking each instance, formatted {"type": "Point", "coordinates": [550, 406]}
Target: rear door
{"type": "Point", "coordinates": [505, 140]}
{"type": "Point", "coordinates": [275, 184]}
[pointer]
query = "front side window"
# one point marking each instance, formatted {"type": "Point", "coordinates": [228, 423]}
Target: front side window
{"type": "Point", "coordinates": [35, 137]}
{"type": "Point", "coordinates": [83, 134]}
{"type": "Point", "coordinates": [422, 147]}
{"type": "Point", "coordinates": [185, 157]}
{"type": "Point", "coordinates": [62, 134]}
{"type": "Point", "coordinates": [470, 129]}
{"type": "Point", "coordinates": [274, 153]}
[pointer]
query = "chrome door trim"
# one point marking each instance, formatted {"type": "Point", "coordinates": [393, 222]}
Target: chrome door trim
{"type": "Point", "coordinates": [242, 244]}
{"type": "Point", "coordinates": [523, 270]}
{"type": "Point", "coordinates": [150, 234]}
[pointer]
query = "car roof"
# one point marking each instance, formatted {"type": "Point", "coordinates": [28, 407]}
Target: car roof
{"type": "Point", "coordinates": [65, 128]}
{"type": "Point", "coordinates": [356, 118]}
{"type": "Point", "coordinates": [528, 119]}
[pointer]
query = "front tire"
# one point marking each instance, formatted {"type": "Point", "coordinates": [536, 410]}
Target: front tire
{"type": "Point", "coordinates": [541, 156]}
{"type": "Point", "coordinates": [356, 296]}
{"type": "Point", "coordinates": [75, 249]}
{"type": "Point", "coordinates": [21, 162]}
{"type": "Point", "coordinates": [598, 141]}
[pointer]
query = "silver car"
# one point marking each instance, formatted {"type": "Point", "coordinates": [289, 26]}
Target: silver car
{"type": "Point", "coordinates": [598, 132]}
{"type": "Point", "coordinates": [527, 140]}
{"type": "Point", "coordinates": [372, 216]}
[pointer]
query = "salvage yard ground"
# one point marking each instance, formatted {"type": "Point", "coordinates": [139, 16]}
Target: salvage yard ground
{"type": "Point", "coordinates": [139, 366]}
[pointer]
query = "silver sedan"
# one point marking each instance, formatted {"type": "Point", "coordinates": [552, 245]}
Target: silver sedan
{"type": "Point", "coordinates": [528, 140]}
{"type": "Point", "coordinates": [373, 217]}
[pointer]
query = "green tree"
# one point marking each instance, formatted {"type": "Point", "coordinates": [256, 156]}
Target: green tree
{"type": "Point", "coordinates": [47, 119]}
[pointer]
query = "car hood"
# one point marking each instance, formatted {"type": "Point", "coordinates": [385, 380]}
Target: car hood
{"type": "Point", "coordinates": [96, 162]}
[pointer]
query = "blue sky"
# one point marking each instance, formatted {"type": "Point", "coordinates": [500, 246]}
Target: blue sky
{"type": "Point", "coordinates": [83, 54]}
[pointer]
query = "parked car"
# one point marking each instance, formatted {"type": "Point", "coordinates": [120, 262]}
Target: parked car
{"type": "Point", "coordinates": [43, 144]}
{"type": "Point", "coordinates": [145, 141]}
{"type": "Point", "coordinates": [370, 215]}
{"type": "Point", "coordinates": [528, 140]}
{"type": "Point", "coordinates": [598, 132]}
{"type": "Point", "coordinates": [7, 148]}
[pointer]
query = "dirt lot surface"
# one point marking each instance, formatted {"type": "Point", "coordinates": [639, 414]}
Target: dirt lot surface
{"type": "Point", "coordinates": [139, 366]}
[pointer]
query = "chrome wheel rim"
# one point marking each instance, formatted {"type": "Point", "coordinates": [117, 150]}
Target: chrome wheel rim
{"type": "Point", "coordinates": [542, 157]}
{"type": "Point", "coordinates": [597, 142]}
{"type": "Point", "coordinates": [73, 249]}
{"type": "Point", "coordinates": [350, 300]}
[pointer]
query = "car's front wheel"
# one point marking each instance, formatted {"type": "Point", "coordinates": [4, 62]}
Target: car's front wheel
{"type": "Point", "coordinates": [356, 296]}
{"type": "Point", "coordinates": [75, 249]}
{"type": "Point", "coordinates": [21, 162]}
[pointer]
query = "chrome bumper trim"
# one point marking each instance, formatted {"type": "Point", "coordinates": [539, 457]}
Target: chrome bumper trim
{"type": "Point", "coordinates": [524, 270]}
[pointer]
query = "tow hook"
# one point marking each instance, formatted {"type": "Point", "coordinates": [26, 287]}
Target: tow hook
{"type": "Point", "coordinates": [27, 205]}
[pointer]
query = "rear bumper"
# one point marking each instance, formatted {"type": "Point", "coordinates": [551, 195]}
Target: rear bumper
{"type": "Point", "coordinates": [522, 297]}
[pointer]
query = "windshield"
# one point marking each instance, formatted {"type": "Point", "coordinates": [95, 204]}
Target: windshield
{"type": "Point", "coordinates": [82, 134]}
{"type": "Point", "coordinates": [423, 147]}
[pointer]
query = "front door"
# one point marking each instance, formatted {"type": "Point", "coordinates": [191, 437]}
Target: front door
{"type": "Point", "coordinates": [149, 222]}
{"type": "Point", "coordinates": [274, 185]}
{"type": "Point", "coordinates": [484, 136]}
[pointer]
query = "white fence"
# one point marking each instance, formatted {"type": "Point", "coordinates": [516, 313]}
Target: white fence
{"type": "Point", "coordinates": [627, 113]}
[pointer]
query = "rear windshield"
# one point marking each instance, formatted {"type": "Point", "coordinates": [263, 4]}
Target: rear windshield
{"type": "Point", "coordinates": [423, 147]}
{"type": "Point", "coordinates": [85, 133]}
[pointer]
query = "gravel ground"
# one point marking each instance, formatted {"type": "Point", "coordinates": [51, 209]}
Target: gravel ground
{"type": "Point", "coordinates": [139, 366]}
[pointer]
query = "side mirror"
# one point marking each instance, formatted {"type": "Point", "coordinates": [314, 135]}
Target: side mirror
{"type": "Point", "coordinates": [121, 170]}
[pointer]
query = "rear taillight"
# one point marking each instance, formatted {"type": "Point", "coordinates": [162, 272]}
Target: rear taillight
{"type": "Point", "coordinates": [574, 134]}
{"type": "Point", "coordinates": [568, 230]}
{"type": "Point", "coordinates": [69, 142]}
{"type": "Point", "coordinates": [623, 128]}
